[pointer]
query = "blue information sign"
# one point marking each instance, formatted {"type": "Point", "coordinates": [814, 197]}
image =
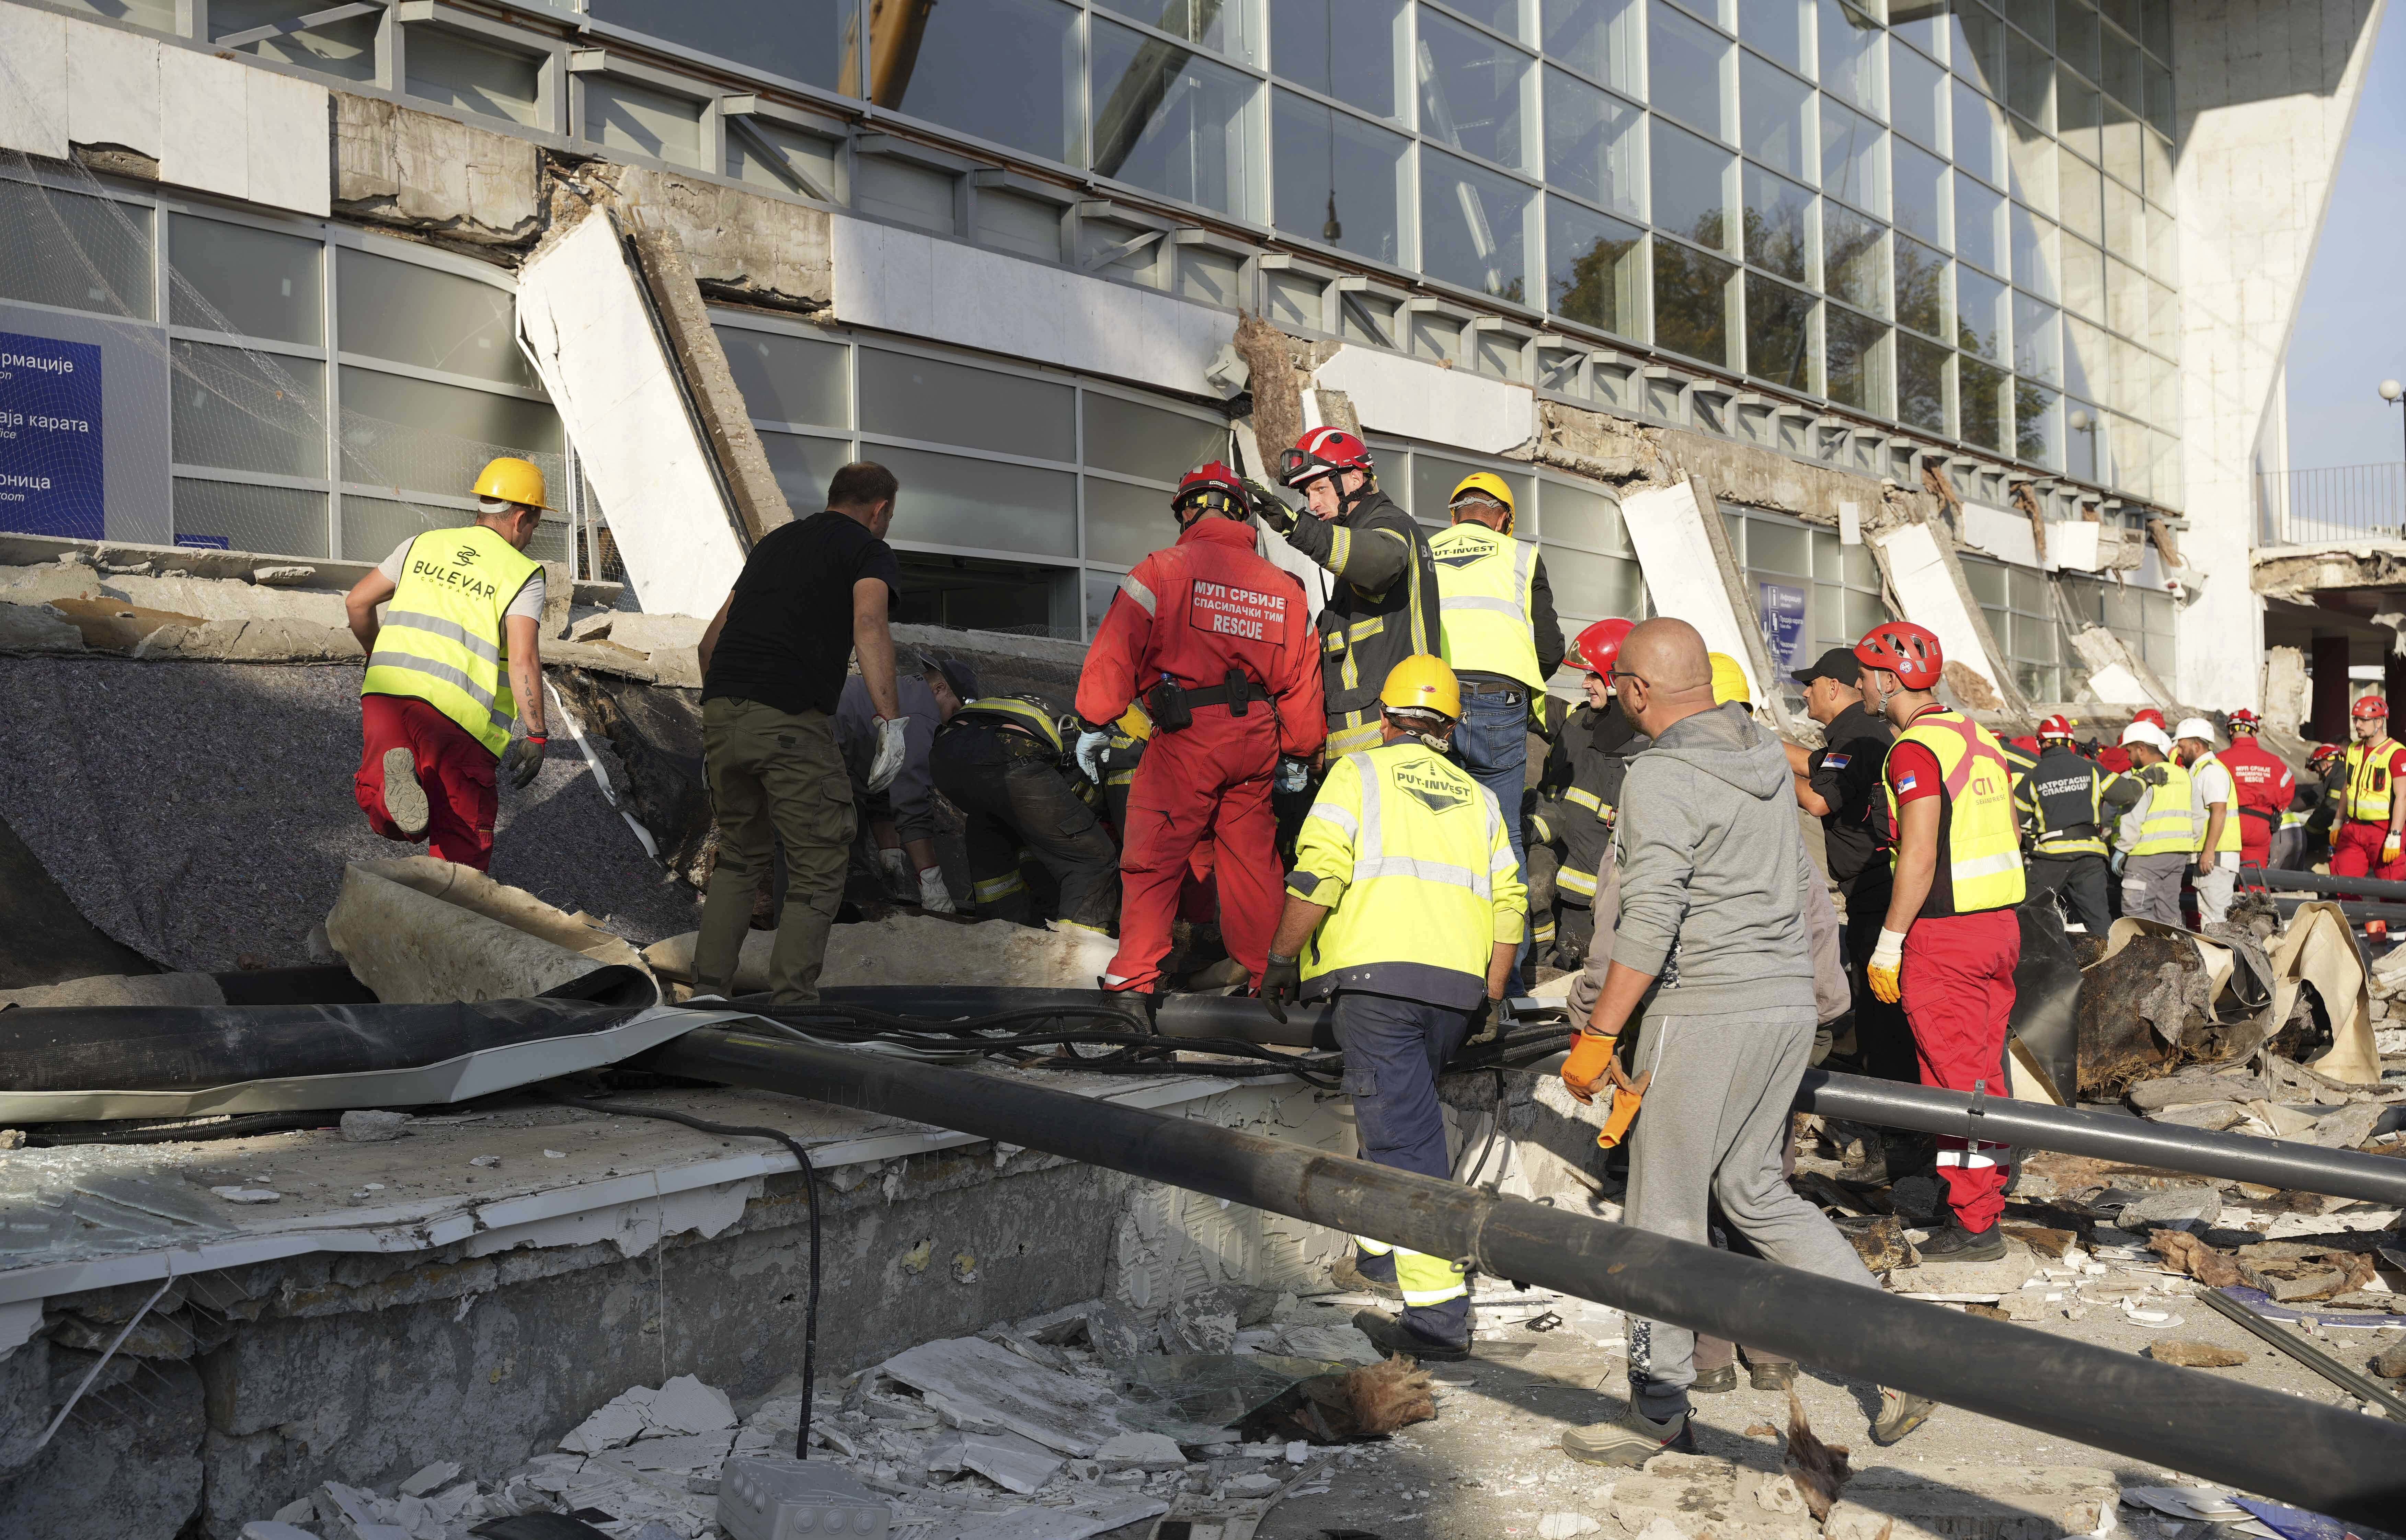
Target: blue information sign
{"type": "Point", "coordinates": [51, 472]}
{"type": "Point", "coordinates": [1781, 608]}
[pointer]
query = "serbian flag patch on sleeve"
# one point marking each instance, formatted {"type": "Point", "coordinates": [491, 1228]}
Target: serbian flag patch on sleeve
{"type": "Point", "coordinates": [1905, 782]}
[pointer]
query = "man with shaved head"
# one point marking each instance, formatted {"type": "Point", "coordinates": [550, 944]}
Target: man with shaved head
{"type": "Point", "coordinates": [1711, 954]}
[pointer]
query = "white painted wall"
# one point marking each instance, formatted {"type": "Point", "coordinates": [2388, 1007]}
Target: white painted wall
{"type": "Point", "coordinates": [1683, 576]}
{"type": "Point", "coordinates": [1925, 586]}
{"type": "Point", "coordinates": [1413, 399]}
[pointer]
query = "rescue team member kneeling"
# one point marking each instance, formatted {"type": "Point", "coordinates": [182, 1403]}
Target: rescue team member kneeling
{"type": "Point", "coordinates": [1003, 761]}
{"type": "Point", "coordinates": [451, 665]}
{"type": "Point", "coordinates": [1711, 945]}
{"type": "Point", "coordinates": [1406, 904]}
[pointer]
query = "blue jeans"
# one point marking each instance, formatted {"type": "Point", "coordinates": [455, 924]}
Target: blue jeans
{"type": "Point", "coordinates": [1493, 738]}
{"type": "Point", "coordinates": [1393, 1049]}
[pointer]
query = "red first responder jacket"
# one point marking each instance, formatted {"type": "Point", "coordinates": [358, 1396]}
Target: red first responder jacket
{"type": "Point", "coordinates": [1196, 610]}
{"type": "Point", "coordinates": [2266, 786]}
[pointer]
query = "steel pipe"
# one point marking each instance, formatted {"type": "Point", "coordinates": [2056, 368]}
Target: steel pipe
{"type": "Point", "coordinates": [2332, 1462]}
{"type": "Point", "coordinates": [2350, 909]}
{"type": "Point", "coordinates": [2315, 882]}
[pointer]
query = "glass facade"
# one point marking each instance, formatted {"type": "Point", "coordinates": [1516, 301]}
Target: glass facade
{"type": "Point", "coordinates": [1792, 569]}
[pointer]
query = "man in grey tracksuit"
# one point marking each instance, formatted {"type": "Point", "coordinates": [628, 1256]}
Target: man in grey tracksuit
{"type": "Point", "coordinates": [1713, 947]}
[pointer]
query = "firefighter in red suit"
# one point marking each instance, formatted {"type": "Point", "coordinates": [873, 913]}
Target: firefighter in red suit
{"type": "Point", "coordinates": [2267, 786]}
{"type": "Point", "coordinates": [2370, 839]}
{"type": "Point", "coordinates": [1218, 645]}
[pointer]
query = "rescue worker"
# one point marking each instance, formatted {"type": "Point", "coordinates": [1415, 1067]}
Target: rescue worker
{"type": "Point", "coordinates": [1583, 774]}
{"type": "Point", "coordinates": [1215, 640]}
{"type": "Point", "coordinates": [1951, 940]}
{"type": "Point", "coordinates": [1382, 607]}
{"type": "Point", "coordinates": [2214, 797]}
{"type": "Point", "coordinates": [2368, 841]}
{"type": "Point", "coordinates": [1198, 894]}
{"type": "Point", "coordinates": [452, 666]}
{"type": "Point", "coordinates": [899, 824]}
{"type": "Point", "coordinates": [1004, 762]}
{"type": "Point", "coordinates": [2062, 799]}
{"type": "Point", "coordinates": [2158, 835]}
{"type": "Point", "coordinates": [2267, 786]}
{"type": "Point", "coordinates": [1496, 631]}
{"type": "Point", "coordinates": [2316, 811]}
{"type": "Point", "coordinates": [1405, 903]}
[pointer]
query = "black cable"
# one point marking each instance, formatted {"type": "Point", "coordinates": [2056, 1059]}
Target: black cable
{"type": "Point", "coordinates": [810, 1179]}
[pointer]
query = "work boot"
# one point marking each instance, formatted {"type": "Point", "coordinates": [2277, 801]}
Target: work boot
{"type": "Point", "coordinates": [1901, 1412]}
{"type": "Point", "coordinates": [1630, 1442]}
{"type": "Point", "coordinates": [1775, 1376]}
{"type": "Point", "coordinates": [405, 799]}
{"type": "Point", "coordinates": [1390, 1335]}
{"type": "Point", "coordinates": [1345, 1273]}
{"type": "Point", "coordinates": [1958, 1244]}
{"type": "Point", "coordinates": [1715, 1381]}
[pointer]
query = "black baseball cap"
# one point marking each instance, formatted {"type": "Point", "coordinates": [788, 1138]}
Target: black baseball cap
{"type": "Point", "coordinates": [1839, 663]}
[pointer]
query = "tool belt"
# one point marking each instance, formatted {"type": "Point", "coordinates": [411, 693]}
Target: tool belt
{"type": "Point", "coordinates": [1172, 705]}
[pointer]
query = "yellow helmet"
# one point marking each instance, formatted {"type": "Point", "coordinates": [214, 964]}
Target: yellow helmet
{"type": "Point", "coordinates": [1423, 682]}
{"type": "Point", "coordinates": [513, 480]}
{"type": "Point", "coordinates": [1490, 485]}
{"type": "Point", "coordinates": [1728, 682]}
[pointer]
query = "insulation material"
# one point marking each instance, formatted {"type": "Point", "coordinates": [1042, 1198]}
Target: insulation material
{"type": "Point", "coordinates": [419, 930]}
{"type": "Point", "coordinates": [1926, 584]}
{"type": "Point", "coordinates": [1684, 572]}
{"type": "Point", "coordinates": [2318, 947]}
{"type": "Point", "coordinates": [1421, 400]}
{"type": "Point", "coordinates": [918, 949]}
{"type": "Point", "coordinates": [583, 317]}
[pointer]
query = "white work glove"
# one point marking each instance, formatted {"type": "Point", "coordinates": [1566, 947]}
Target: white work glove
{"type": "Point", "coordinates": [1888, 966]}
{"type": "Point", "coordinates": [900, 884]}
{"type": "Point", "coordinates": [886, 763]}
{"type": "Point", "coordinates": [1090, 745]}
{"type": "Point", "coordinates": [934, 897]}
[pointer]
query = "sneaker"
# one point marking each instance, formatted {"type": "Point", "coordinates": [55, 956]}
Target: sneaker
{"type": "Point", "coordinates": [1776, 1376]}
{"type": "Point", "coordinates": [1901, 1412]}
{"type": "Point", "coordinates": [1957, 1244]}
{"type": "Point", "coordinates": [1345, 1273]}
{"type": "Point", "coordinates": [405, 799]}
{"type": "Point", "coordinates": [1718, 1381]}
{"type": "Point", "coordinates": [1390, 1335]}
{"type": "Point", "coordinates": [1630, 1442]}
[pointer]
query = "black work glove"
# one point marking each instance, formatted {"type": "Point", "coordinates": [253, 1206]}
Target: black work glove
{"type": "Point", "coordinates": [523, 761]}
{"type": "Point", "coordinates": [1281, 981]}
{"type": "Point", "coordinates": [1270, 508]}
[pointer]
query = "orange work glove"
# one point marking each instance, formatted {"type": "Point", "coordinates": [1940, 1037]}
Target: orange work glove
{"type": "Point", "coordinates": [1591, 1060]}
{"type": "Point", "coordinates": [2390, 849]}
{"type": "Point", "coordinates": [1887, 966]}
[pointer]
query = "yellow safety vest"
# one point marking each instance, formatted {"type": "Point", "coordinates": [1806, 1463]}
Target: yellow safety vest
{"type": "Point", "coordinates": [442, 640]}
{"type": "Point", "coordinates": [2169, 826]}
{"type": "Point", "coordinates": [1412, 860]}
{"type": "Point", "coordinates": [1485, 584]}
{"type": "Point", "coordinates": [2366, 801]}
{"type": "Point", "coordinates": [1979, 840]}
{"type": "Point", "coordinates": [2204, 814]}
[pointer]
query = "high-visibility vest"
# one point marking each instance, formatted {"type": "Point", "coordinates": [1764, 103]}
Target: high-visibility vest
{"type": "Point", "coordinates": [2063, 797]}
{"type": "Point", "coordinates": [442, 640]}
{"type": "Point", "coordinates": [1412, 860]}
{"type": "Point", "coordinates": [2204, 814]}
{"type": "Point", "coordinates": [1979, 843]}
{"type": "Point", "coordinates": [1485, 584]}
{"type": "Point", "coordinates": [2168, 822]}
{"type": "Point", "coordinates": [2366, 798]}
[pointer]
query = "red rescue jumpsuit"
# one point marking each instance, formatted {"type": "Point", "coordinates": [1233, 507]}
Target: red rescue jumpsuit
{"type": "Point", "coordinates": [2266, 786]}
{"type": "Point", "coordinates": [1190, 613]}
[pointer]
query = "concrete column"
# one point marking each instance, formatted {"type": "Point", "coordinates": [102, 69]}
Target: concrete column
{"type": "Point", "coordinates": [2331, 688]}
{"type": "Point", "coordinates": [2393, 679]}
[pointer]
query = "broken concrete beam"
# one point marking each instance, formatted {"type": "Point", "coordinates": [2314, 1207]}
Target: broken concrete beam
{"type": "Point", "coordinates": [420, 930]}
{"type": "Point", "coordinates": [911, 949]}
{"type": "Point", "coordinates": [740, 245]}
{"type": "Point", "coordinates": [435, 176]}
{"type": "Point", "coordinates": [1975, 1503]}
{"type": "Point", "coordinates": [37, 628]}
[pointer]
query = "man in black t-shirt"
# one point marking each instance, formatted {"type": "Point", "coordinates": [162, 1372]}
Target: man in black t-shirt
{"type": "Point", "coordinates": [773, 663]}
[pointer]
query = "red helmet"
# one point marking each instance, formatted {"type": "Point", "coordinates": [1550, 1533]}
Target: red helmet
{"type": "Point", "coordinates": [2055, 727]}
{"type": "Point", "coordinates": [1908, 651]}
{"type": "Point", "coordinates": [2368, 706]}
{"type": "Point", "coordinates": [2150, 714]}
{"type": "Point", "coordinates": [1598, 647]}
{"type": "Point", "coordinates": [1215, 489]}
{"type": "Point", "coordinates": [2325, 758]}
{"type": "Point", "coordinates": [1322, 451]}
{"type": "Point", "coordinates": [2245, 721]}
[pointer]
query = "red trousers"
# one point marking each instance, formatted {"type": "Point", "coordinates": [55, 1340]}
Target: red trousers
{"type": "Point", "coordinates": [1209, 781]}
{"type": "Point", "coordinates": [454, 770]}
{"type": "Point", "coordinates": [1959, 999]}
{"type": "Point", "coordinates": [2356, 852]}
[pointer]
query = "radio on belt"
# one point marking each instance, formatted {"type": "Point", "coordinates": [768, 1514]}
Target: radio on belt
{"type": "Point", "coordinates": [761, 1499]}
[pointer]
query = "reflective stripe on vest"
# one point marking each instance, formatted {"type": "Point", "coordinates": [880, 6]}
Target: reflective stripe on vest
{"type": "Point", "coordinates": [442, 640]}
{"type": "Point", "coordinates": [1018, 712]}
{"type": "Point", "coordinates": [2367, 798]}
{"type": "Point", "coordinates": [2063, 791]}
{"type": "Point", "coordinates": [1982, 844]}
{"type": "Point", "coordinates": [2169, 826]}
{"type": "Point", "coordinates": [2204, 813]}
{"type": "Point", "coordinates": [1486, 584]}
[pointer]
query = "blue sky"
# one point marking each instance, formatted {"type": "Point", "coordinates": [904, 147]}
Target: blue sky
{"type": "Point", "coordinates": [2351, 330]}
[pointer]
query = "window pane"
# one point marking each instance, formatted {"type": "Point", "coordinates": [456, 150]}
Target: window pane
{"type": "Point", "coordinates": [2085, 366]}
{"type": "Point", "coordinates": [1346, 48]}
{"type": "Point", "coordinates": [949, 500]}
{"type": "Point", "coordinates": [1598, 38]}
{"type": "Point", "coordinates": [1574, 516]}
{"type": "Point", "coordinates": [2031, 156]}
{"type": "Point", "coordinates": [1145, 441]}
{"type": "Point", "coordinates": [345, 46]}
{"type": "Point", "coordinates": [1004, 70]}
{"type": "Point", "coordinates": [2035, 252]}
{"type": "Point", "coordinates": [2126, 299]}
{"type": "Point", "coordinates": [2117, 67]}
{"type": "Point", "coordinates": [1777, 235]}
{"type": "Point", "coordinates": [2084, 441]}
{"type": "Point", "coordinates": [1918, 99]}
{"type": "Point", "coordinates": [622, 114]}
{"type": "Point", "coordinates": [1920, 288]}
{"type": "Point", "coordinates": [251, 282]}
{"type": "Point", "coordinates": [1776, 107]}
{"type": "Point", "coordinates": [790, 379]}
{"type": "Point", "coordinates": [2119, 133]}
{"type": "Point", "coordinates": [463, 72]}
{"type": "Point", "coordinates": [2163, 320]}
{"type": "Point", "coordinates": [398, 432]}
{"type": "Point", "coordinates": [1920, 193]}
{"type": "Point", "coordinates": [1586, 585]}
{"type": "Point", "coordinates": [2038, 424]}
{"type": "Point", "coordinates": [1858, 359]}
{"type": "Point", "coordinates": [1977, 47]}
{"type": "Point", "coordinates": [1125, 524]}
{"type": "Point", "coordinates": [2038, 348]}
{"type": "Point", "coordinates": [1854, 259]}
{"type": "Point", "coordinates": [1596, 277]}
{"type": "Point", "coordinates": [2160, 112]}
{"type": "Point", "coordinates": [2077, 116]}
{"type": "Point", "coordinates": [1592, 145]}
{"type": "Point", "coordinates": [2126, 231]}
{"type": "Point", "coordinates": [799, 39]}
{"type": "Point", "coordinates": [1471, 91]}
{"type": "Point", "coordinates": [398, 310]}
{"type": "Point", "coordinates": [1979, 224]}
{"type": "Point", "coordinates": [916, 398]}
{"type": "Point", "coordinates": [2035, 17]}
{"type": "Point", "coordinates": [1980, 314]}
{"type": "Point", "coordinates": [2030, 80]}
{"type": "Point", "coordinates": [1434, 477]}
{"type": "Point", "coordinates": [1979, 133]}
{"type": "Point", "coordinates": [1171, 122]}
{"type": "Point", "coordinates": [2083, 198]}
{"type": "Point", "coordinates": [1339, 179]}
{"type": "Point", "coordinates": [1691, 302]}
{"type": "Point", "coordinates": [2156, 158]}
{"type": "Point", "coordinates": [1222, 28]}
{"type": "Point", "coordinates": [1919, 23]}
{"type": "Point", "coordinates": [1852, 49]}
{"type": "Point", "coordinates": [239, 411]}
{"type": "Point", "coordinates": [1921, 383]}
{"type": "Point", "coordinates": [2163, 251]}
{"type": "Point", "coordinates": [1983, 403]}
{"type": "Point", "coordinates": [1691, 187]}
{"type": "Point", "coordinates": [1776, 27]}
{"type": "Point", "coordinates": [1687, 60]}
{"type": "Point", "coordinates": [2083, 278]}
{"type": "Point", "coordinates": [2076, 35]}
{"type": "Point", "coordinates": [803, 467]}
{"type": "Point", "coordinates": [282, 520]}
{"type": "Point", "coordinates": [1852, 166]}
{"type": "Point", "coordinates": [1778, 333]}
{"type": "Point", "coordinates": [75, 252]}
{"type": "Point", "coordinates": [1471, 227]}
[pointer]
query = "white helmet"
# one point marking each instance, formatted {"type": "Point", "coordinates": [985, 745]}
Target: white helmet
{"type": "Point", "coordinates": [2150, 734]}
{"type": "Point", "coordinates": [2197, 728]}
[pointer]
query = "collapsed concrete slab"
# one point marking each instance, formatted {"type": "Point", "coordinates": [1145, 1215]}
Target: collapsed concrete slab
{"type": "Point", "coordinates": [420, 930]}
{"type": "Point", "coordinates": [918, 949]}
